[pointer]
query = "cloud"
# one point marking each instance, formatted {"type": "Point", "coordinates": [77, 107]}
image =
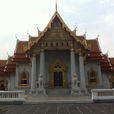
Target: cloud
{"type": "Point", "coordinates": [109, 19]}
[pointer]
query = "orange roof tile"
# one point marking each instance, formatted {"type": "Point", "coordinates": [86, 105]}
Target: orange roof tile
{"type": "Point", "coordinates": [81, 38]}
{"type": "Point", "coordinates": [20, 46]}
{"type": "Point", "coordinates": [33, 38]}
{"type": "Point", "coordinates": [105, 64]}
{"type": "Point", "coordinates": [94, 45]}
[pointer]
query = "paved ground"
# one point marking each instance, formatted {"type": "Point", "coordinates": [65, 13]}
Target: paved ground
{"type": "Point", "coordinates": [99, 108]}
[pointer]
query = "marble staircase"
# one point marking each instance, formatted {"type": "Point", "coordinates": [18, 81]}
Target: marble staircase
{"type": "Point", "coordinates": [57, 92]}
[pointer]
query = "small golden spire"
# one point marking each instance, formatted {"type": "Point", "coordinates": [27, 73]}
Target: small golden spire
{"type": "Point", "coordinates": [56, 5]}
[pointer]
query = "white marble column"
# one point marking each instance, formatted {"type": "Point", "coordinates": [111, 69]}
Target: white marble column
{"type": "Point", "coordinates": [73, 64]}
{"type": "Point", "coordinates": [74, 79]}
{"type": "Point", "coordinates": [100, 76]}
{"type": "Point", "coordinates": [42, 63]}
{"type": "Point", "coordinates": [33, 73]}
{"type": "Point", "coordinates": [17, 78]}
{"type": "Point", "coordinates": [82, 73]}
{"type": "Point", "coordinates": [41, 81]}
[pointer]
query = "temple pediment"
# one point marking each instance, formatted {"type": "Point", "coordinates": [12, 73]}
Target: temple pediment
{"type": "Point", "coordinates": [55, 36]}
{"type": "Point", "coordinates": [56, 32]}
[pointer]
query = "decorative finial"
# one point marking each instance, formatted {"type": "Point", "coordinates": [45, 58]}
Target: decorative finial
{"type": "Point", "coordinates": [29, 34]}
{"type": "Point", "coordinates": [39, 32]}
{"type": "Point", "coordinates": [107, 53]}
{"type": "Point", "coordinates": [98, 35]}
{"type": "Point", "coordinates": [85, 34]}
{"type": "Point", "coordinates": [16, 37]}
{"type": "Point", "coordinates": [8, 55]}
{"type": "Point", "coordinates": [56, 5]}
{"type": "Point", "coordinates": [75, 30]}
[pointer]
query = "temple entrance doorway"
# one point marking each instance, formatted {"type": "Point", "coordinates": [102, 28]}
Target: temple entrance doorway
{"type": "Point", "coordinates": [58, 75]}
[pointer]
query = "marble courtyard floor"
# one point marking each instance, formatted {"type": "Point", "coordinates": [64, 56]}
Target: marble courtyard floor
{"type": "Point", "coordinates": [59, 108]}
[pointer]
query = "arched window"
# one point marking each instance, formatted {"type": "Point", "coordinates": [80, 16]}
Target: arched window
{"type": "Point", "coordinates": [92, 77]}
{"type": "Point", "coordinates": [24, 78]}
{"type": "Point", "coordinates": [112, 82]}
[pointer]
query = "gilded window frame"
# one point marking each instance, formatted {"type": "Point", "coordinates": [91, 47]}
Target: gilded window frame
{"type": "Point", "coordinates": [20, 78]}
{"type": "Point", "coordinates": [95, 77]}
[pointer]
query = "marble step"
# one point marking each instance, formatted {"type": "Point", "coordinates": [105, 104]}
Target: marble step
{"type": "Point", "coordinates": [58, 92]}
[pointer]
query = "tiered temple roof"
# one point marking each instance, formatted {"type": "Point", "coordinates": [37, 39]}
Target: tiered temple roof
{"type": "Point", "coordinates": [22, 47]}
{"type": "Point", "coordinates": [20, 55]}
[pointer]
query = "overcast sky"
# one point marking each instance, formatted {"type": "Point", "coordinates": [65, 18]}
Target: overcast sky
{"type": "Point", "coordinates": [17, 17]}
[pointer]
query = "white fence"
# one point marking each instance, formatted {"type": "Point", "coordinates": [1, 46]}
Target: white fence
{"type": "Point", "coordinates": [102, 95]}
{"type": "Point", "coordinates": [8, 96]}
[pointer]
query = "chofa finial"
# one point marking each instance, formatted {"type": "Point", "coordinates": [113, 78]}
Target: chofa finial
{"type": "Point", "coordinates": [75, 30]}
{"type": "Point", "coordinates": [98, 35]}
{"type": "Point", "coordinates": [85, 34]}
{"type": "Point", "coordinates": [16, 37]}
{"type": "Point", "coordinates": [39, 32]}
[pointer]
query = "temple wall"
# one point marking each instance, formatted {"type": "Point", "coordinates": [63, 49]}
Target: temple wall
{"type": "Point", "coordinates": [106, 80]}
{"type": "Point", "coordinates": [11, 82]}
{"type": "Point", "coordinates": [95, 66]}
{"type": "Point", "coordinates": [19, 69]}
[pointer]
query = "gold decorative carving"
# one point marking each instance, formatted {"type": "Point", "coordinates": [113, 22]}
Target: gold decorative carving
{"type": "Point", "coordinates": [52, 69]}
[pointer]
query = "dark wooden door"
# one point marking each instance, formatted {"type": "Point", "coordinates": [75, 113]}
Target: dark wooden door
{"type": "Point", "coordinates": [58, 79]}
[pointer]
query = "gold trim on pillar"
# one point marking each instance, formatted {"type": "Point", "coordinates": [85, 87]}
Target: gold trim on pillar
{"type": "Point", "coordinates": [112, 82]}
{"type": "Point", "coordinates": [57, 66]}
